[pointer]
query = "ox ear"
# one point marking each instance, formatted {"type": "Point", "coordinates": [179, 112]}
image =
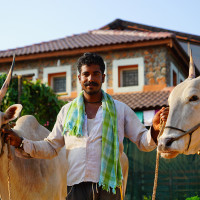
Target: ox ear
{"type": "Point", "coordinates": [12, 112]}
{"type": "Point", "coordinates": [191, 67]}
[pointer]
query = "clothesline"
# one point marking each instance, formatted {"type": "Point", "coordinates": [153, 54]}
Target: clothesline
{"type": "Point", "coordinates": [146, 116]}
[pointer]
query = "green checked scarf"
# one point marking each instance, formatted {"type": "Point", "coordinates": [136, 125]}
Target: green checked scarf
{"type": "Point", "coordinates": [111, 173]}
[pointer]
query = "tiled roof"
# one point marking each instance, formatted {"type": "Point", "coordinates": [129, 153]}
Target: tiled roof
{"type": "Point", "coordinates": [90, 39]}
{"type": "Point", "coordinates": [119, 24]}
{"type": "Point", "coordinates": [142, 100]}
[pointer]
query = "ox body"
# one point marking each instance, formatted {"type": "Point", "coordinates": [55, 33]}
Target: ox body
{"type": "Point", "coordinates": [31, 178]}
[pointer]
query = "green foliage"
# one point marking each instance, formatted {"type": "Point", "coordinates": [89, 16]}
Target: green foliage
{"type": "Point", "coordinates": [146, 197]}
{"type": "Point", "coordinates": [37, 99]}
{"type": "Point", "coordinates": [193, 198]}
{"type": "Point", "coordinates": [189, 198]}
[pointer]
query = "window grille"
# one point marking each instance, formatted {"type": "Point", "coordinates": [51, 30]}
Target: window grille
{"type": "Point", "coordinates": [129, 78]}
{"type": "Point", "coordinates": [59, 84]}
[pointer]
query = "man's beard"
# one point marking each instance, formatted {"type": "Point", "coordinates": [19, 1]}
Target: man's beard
{"type": "Point", "coordinates": [91, 84]}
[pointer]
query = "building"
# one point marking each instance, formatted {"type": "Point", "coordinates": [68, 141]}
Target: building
{"type": "Point", "coordinates": [142, 64]}
{"type": "Point", "coordinates": [187, 41]}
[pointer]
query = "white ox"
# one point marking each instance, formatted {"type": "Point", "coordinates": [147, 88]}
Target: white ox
{"type": "Point", "coordinates": [184, 115]}
{"type": "Point", "coordinates": [38, 179]}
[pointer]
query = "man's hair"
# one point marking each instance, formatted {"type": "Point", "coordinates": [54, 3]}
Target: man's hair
{"type": "Point", "coordinates": [91, 59]}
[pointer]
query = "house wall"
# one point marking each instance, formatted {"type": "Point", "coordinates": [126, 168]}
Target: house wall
{"type": "Point", "coordinates": [156, 66]}
{"type": "Point", "coordinates": [154, 61]}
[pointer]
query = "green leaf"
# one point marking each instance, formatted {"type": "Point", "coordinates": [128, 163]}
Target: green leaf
{"type": "Point", "coordinates": [37, 99]}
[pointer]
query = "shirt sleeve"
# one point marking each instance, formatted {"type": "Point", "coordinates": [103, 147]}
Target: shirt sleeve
{"type": "Point", "coordinates": [50, 146]}
{"type": "Point", "coordinates": [136, 131]}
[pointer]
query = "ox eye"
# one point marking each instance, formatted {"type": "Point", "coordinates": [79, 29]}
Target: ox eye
{"type": "Point", "coordinates": [194, 98]}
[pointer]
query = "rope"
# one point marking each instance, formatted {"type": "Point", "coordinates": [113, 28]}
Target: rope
{"type": "Point", "coordinates": [7, 126]}
{"type": "Point", "coordinates": [2, 143]}
{"type": "Point", "coordinates": [156, 176]}
{"type": "Point", "coordinates": [157, 162]}
{"type": "Point", "coordinates": [8, 170]}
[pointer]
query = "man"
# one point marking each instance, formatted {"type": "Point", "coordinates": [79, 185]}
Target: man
{"type": "Point", "coordinates": [92, 128]}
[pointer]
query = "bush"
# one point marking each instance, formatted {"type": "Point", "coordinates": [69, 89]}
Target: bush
{"type": "Point", "coordinates": [37, 99]}
{"type": "Point", "coordinates": [193, 198]}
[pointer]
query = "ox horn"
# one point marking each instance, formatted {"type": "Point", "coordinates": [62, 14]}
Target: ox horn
{"type": "Point", "coordinates": [191, 67]}
{"type": "Point", "coordinates": [5, 86]}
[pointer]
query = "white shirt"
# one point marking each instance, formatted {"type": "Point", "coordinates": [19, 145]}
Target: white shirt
{"type": "Point", "coordinates": [84, 153]}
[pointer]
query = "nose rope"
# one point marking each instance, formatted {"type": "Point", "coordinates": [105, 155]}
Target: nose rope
{"type": "Point", "coordinates": [162, 127]}
{"type": "Point", "coordinates": [189, 131]}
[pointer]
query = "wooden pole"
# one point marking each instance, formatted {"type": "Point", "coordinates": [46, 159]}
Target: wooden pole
{"type": "Point", "coordinates": [19, 77]}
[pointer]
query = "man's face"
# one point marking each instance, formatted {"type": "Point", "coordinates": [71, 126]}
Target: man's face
{"type": "Point", "coordinates": [91, 79]}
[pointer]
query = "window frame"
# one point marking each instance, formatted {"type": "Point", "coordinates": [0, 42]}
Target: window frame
{"type": "Point", "coordinates": [50, 72]}
{"type": "Point", "coordinates": [120, 74]}
{"type": "Point", "coordinates": [55, 75]}
{"type": "Point", "coordinates": [139, 62]}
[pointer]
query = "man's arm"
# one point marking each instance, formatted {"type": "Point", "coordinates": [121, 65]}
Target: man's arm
{"type": "Point", "coordinates": [137, 133]}
{"type": "Point", "coordinates": [46, 149]}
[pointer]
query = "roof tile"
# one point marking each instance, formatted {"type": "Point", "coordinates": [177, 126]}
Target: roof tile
{"type": "Point", "coordinates": [144, 100]}
{"type": "Point", "coordinates": [90, 39]}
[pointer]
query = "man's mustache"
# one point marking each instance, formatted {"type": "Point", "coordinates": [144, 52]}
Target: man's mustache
{"type": "Point", "coordinates": [90, 84]}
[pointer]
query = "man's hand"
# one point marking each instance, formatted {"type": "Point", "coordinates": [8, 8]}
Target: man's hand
{"type": "Point", "coordinates": [161, 114]}
{"type": "Point", "coordinates": [15, 140]}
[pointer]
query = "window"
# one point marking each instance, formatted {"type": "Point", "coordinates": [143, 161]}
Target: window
{"type": "Point", "coordinates": [195, 51]}
{"type": "Point", "coordinates": [58, 82]}
{"type": "Point", "coordinates": [176, 76]}
{"type": "Point", "coordinates": [180, 78]}
{"type": "Point", "coordinates": [128, 75]}
{"type": "Point", "coordinates": [59, 78]}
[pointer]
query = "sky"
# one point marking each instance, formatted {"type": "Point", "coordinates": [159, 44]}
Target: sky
{"type": "Point", "coordinates": [27, 22]}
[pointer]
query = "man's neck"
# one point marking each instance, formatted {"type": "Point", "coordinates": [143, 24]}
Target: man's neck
{"type": "Point", "coordinates": [93, 98]}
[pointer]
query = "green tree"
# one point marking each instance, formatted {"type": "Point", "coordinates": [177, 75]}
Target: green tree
{"type": "Point", "coordinates": [37, 99]}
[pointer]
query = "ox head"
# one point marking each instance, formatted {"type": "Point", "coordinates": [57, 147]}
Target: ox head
{"type": "Point", "coordinates": [13, 111]}
{"type": "Point", "coordinates": [184, 113]}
